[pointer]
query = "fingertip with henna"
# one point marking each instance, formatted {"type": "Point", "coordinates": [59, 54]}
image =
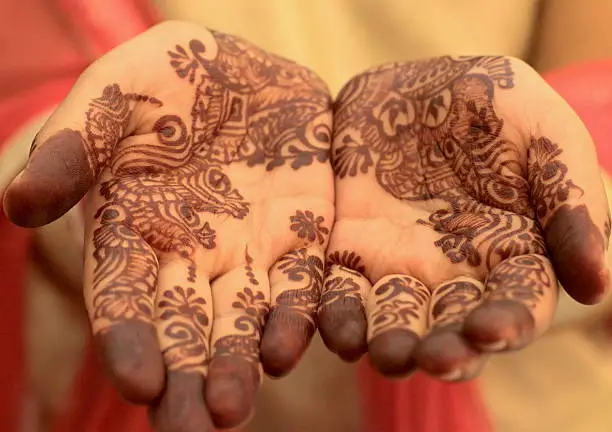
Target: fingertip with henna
{"type": "Point", "coordinates": [499, 325]}
{"type": "Point", "coordinates": [577, 251]}
{"type": "Point", "coordinates": [286, 337]}
{"type": "Point", "coordinates": [446, 355]}
{"type": "Point", "coordinates": [56, 177]}
{"type": "Point", "coordinates": [343, 328]}
{"type": "Point", "coordinates": [133, 359]}
{"type": "Point", "coordinates": [181, 407]}
{"type": "Point", "coordinates": [230, 390]}
{"type": "Point", "coordinates": [392, 352]}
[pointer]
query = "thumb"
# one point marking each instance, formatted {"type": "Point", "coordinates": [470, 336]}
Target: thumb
{"type": "Point", "coordinates": [65, 161]}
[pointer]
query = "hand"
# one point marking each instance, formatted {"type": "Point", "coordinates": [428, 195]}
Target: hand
{"type": "Point", "coordinates": [211, 210]}
{"type": "Point", "coordinates": [464, 188]}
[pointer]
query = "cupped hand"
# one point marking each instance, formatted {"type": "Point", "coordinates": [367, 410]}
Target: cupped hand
{"type": "Point", "coordinates": [210, 207]}
{"type": "Point", "coordinates": [466, 191]}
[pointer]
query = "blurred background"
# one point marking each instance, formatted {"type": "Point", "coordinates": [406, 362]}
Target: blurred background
{"type": "Point", "coordinates": [48, 380]}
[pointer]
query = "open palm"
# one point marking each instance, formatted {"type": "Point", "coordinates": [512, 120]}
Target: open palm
{"type": "Point", "coordinates": [210, 214]}
{"type": "Point", "coordinates": [464, 187]}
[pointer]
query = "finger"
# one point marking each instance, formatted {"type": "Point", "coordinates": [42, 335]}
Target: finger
{"type": "Point", "coordinates": [120, 278]}
{"type": "Point", "coordinates": [397, 310]}
{"type": "Point", "coordinates": [341, 316]}
{"type": "Point", "coordinates": [522, 294]}
{"type": "Point", "coordinates": [71, 150]}
{"type": "Point", "coordinates": [241, 304]}
{"type": "Point", "coordinates": [570, 202]}
{"type": "Point", "coordinates": [295, 282]}
{"type": "Point", "coordinates": [444, 353]}
{"type": "Point", "coordinates": [184, 320]}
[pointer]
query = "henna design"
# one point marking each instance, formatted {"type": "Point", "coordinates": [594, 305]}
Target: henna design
{"type": "Point", "coordinates": [106, 123]}
{"type": "Point", "coordinates": [454, 300]}
{"type": "Point", "coordinates": [246, 344]}
{"type": "Point", "coordinates": [430, 130]}
{"type": "Point", "coordinates": [500, 235]}
{"type": "Point", "coordinates": [184, 310]}
{"type": "Point", "coordinates": [309, 227]}
{"type": "Point", "coordinates": [339, 288]}
{"type": "Point", "coordinates": [522, 278]}
{"type": "Point", "coordinates": [550, 186]}
{"type": "Point", "coordinates": [399, 301]}
{"type": "Point", "coordinates": [346, 259]}
{"type": "Point", "coordinates": [252, 106]}
{"type": "Point", "coordinates": [254, 311]}
{"type": "Point", "coordinates": [160, 196]}
{"type": "Point", "coordinates": [306, 269]}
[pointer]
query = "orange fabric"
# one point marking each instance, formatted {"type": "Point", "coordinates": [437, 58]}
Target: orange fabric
{"type": "Point", "coordinates": [420, 404]}
{"type": "Point", "coordinates": [587, 87]}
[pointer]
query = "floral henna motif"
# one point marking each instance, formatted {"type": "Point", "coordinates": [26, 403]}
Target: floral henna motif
{"type": "Point", "coordinates": [252, 106]}
{"type": "Point", "coordinates": [550, 186]}
{"type": "Point", "coordinates": [399, 302]}
{"type": "Point", "coordinates": [309, 227]}
{"type": "Point", "coordinates": [307, 270]}
{"type": "Point", "coordinates": [346, 259]}
{"type": "Point", "coordinates": [341, 288]}
{"type": "Point", "coordinates": [187, 320]}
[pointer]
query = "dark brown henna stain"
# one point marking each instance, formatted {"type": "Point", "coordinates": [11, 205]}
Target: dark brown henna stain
{"type": "Point", "coordinates": [341, 316]}
{"type": "Point", "coordinates": [187, 328]}
{"type": "Point", "coordinates": [57, 176]}
{"type": "Point", "coordinates": [430, 130]}
{"type": "Point", "coordinates": [398, 303]}
{"type": "Point", "coordinates": [135, 226]}
{"type": "Point", "coordinates": [576, 245]}
{"type": "Point", "coordinates": [309, 227]}
{"type": "Point", "coordinates": [347, 259]}
{"type": "Point", "coordinates": [233, 374]}
{"type": "Point", "coordinates": [253, 106]}
{"type": "Point", "coordinates": [453, 301]}
{"type": "Point", "coordinates": [131, 355]}
{"type": "Point", "coordinates": [499, 235]}
{"type": "Point", "coordinates": [577, 250]}
{"type": "Point", "coordinates": [548, 177]}
{"type": "Point", "coordinates": [515, 288]}
{"type": "Point", "coordinates": [182, 407]}
{"type": "Point", "coordinates": [292, 320]}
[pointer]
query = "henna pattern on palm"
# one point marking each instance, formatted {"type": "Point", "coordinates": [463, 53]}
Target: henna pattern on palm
{"type": "Point", "coordinates": [309, 227]}
{"type": "Point", "coordinates": [248, 106]}
{"type": "Point", "coordinates": [437, 137]}
{"type": "Point", "coordinates": [252, 106]}
{"type": "Point", "coordinates": [430, 131]}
